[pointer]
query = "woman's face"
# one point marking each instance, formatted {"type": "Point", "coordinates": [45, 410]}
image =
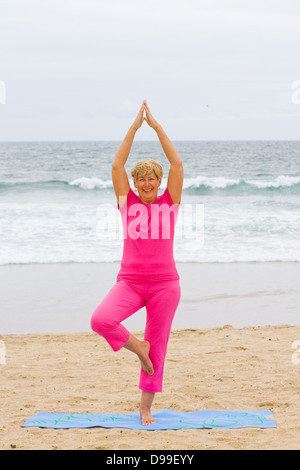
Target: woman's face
{"type": "Point", "coordinates": [147, 187]}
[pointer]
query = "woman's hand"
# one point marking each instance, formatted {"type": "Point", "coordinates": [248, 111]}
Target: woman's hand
{"type": "Point", "coordinates": [149, 118]}
{"type": "Point", "coordinates": [139, 119]}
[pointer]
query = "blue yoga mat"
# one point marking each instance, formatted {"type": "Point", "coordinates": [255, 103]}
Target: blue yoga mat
{"type": "Point", "coordinates": [166, 419]}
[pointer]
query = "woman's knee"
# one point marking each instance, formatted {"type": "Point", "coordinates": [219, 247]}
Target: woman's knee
{"type": "Point", "coordinates": [95, 324]}
{"type": "Point", "coordinates": [100, 322]}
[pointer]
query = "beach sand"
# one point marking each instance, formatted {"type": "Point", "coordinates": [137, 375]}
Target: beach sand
{"type": "Point", "coordinates": [214, 368]}
{"type": "Point", "coordinates": [55, 363]}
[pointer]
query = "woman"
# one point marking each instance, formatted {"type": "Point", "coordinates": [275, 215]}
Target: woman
{"type": "Point", "coordinates": [148, 275]}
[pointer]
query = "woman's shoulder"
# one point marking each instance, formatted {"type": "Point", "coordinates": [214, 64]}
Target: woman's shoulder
{"type": "Point", "coordinates": [130, 198]}
{"type": "Point", "coordinates": [165, 198]}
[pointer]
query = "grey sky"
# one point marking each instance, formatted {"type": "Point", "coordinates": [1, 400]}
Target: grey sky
{"type": "Point", "coordinates": [210, 69]}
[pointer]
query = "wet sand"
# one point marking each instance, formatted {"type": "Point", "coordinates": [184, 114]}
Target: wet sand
{"type": "Point", "coordinates": [55, 298]}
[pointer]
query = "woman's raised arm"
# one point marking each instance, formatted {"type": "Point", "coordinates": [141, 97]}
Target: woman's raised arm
{"type": "Point", "coordinates": [175, 177]}
{"type": "Point", "coordinates": [119, 175]}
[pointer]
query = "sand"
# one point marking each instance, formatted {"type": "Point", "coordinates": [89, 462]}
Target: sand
{"type": "Point", "coordinates": [224, 368]}
{"type": "Point", "coordinates": [55, 363]}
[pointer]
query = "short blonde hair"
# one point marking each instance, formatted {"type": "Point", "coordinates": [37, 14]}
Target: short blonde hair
{"type": "Point", "coordinates": [146, 167]}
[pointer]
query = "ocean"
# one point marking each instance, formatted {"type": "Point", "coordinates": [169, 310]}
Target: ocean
{"type": "Point", "coordinates": [240, 201]}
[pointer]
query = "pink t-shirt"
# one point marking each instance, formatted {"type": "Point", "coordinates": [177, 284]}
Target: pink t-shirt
{"type": "Point", "coordinates": [148, 231]}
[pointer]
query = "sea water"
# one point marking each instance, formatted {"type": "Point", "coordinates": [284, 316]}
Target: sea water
{"type": "Point", "coordinates": [240, 201]}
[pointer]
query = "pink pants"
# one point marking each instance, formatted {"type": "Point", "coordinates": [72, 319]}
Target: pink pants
{"type": "Point", "coordinates": [161, 299]}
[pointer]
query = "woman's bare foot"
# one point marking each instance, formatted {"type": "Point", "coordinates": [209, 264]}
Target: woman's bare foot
{"type": "Point", "coordinates": [145, 360]}
{"type": "Point", "coordinates": [145, 408]}
{"type": "Point", "coordinates": [142, 349]}
{"type": "Point", "coordinates": [146, 417]}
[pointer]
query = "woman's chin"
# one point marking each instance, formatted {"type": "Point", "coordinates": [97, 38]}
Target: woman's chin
{"type": "Point", "coordinates": [148, 196]}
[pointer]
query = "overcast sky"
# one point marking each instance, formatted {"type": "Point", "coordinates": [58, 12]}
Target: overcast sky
{"type": "Point", "coordinates": [209, 69]}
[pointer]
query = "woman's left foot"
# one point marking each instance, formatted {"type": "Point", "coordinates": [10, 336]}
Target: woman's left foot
{"type": "Point", "coordinates": [145, 360]}
{"type": "Point", "coordinates": [146, 417]}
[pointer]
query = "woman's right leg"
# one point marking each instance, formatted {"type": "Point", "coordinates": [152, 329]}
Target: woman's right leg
{"type": "Point", "coordinates": [121, 302]}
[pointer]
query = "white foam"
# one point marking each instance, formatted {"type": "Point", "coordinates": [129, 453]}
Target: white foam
{"type": "Point", "coordinates": [280, 181]}
{"type": "Point", "coordinates": [211, 182]}
{"type": "Point", "coordinates": [91, 183]}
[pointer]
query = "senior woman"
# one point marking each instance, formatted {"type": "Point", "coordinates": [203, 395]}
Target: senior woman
{"type": "Point", "coordinates": [148, 276]}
